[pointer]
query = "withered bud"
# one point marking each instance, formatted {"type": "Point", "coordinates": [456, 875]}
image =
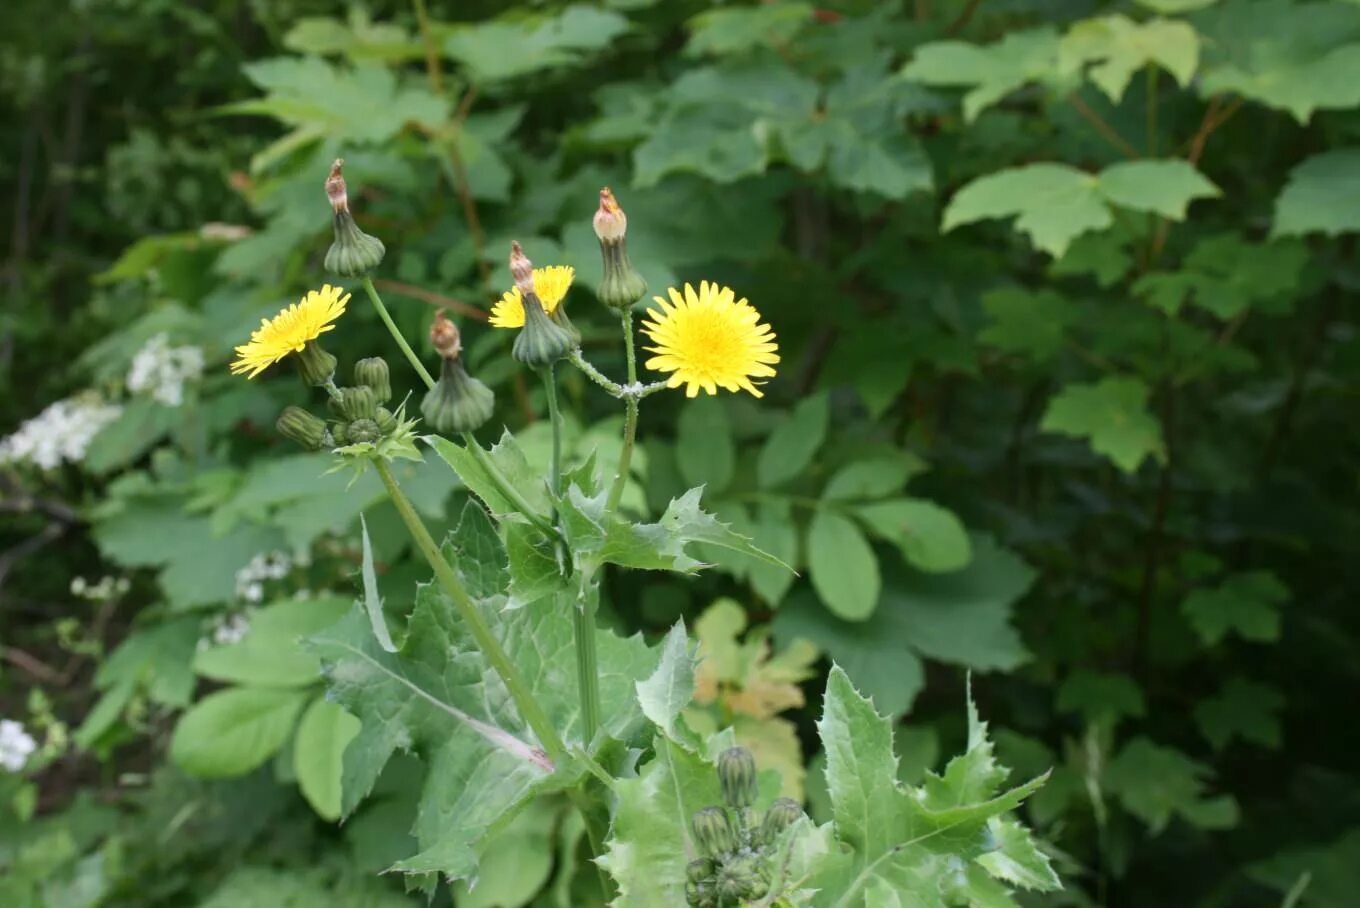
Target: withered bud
{"type": "Point", "coordinates": [521, 269]}
{"type": "Point", "coordinates": [445, 337]}
{"type": "Point", "coordinates": [611, 224]}
{"type": "Point", "coordinates": [335, 188]}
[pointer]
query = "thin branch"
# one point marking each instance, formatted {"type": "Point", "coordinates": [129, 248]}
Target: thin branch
{"type": "Point", "coordinates": [1107, 132]}
{"type": "Point", "coordinates": [963, 18]}
{"type": "Point", "coordinates": [434, 299]}
{"type": "Point", "coordinates": [30, 664]}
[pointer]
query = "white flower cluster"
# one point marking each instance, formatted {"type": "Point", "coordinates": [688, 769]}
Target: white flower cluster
{"type": "Point", "coordinates": [231, 629]}
{"type": "Point", "coordinates": [267, 566]}
{"type": "Point", "coordinates": [106, 588]}
{"type": "Point", "coordinates": [16, 745]}
{"type": "Point", "coordinates": [62, 432]}
{"type": "Point", "coordinates": [162, 370]}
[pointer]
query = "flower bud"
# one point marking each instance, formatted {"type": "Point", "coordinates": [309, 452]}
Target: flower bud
{"type": "Point", "coordinates": [385, 420]}
{"type": "Point", "coordinates": [700, 870]}
{"type": "Point", "coordinates": [521, 269]}
{"type": "Point", "coordinates": [444, 336]}
{"type": "Point", "coordinates": [315, 365]}
{"type": "Point", "coordinates": [353, 253]}
{"type": "Point", "coordinates": [737, 775]}
{"type": "Point", "coordinates": [296, 424]}
{"type": "Point", "coordinates": [559, 317]}
{"type": "Point", "coordinates": [358, 431]}
{"type": "Point", "coordinates": [359, 403]}
{"type": "Point", "coordinates": [713, 832]}
{"type": "Point", "coordinates": [457, 402]}
{"type": "Point", "coordinates": [745, 877]}
{"type": "Point", "coordinates": [782, 813]}
{"type": "Point", "coordinates": [373, 372]}
{"type": "Point", "coordinates": [622, 286]}
{"type": "Point", "coordinates": [542, 341]}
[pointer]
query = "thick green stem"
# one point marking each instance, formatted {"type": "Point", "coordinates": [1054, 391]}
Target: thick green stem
{"type": "Point", "coordinates": [587, 663]}
{"type": "Point", "coordinates": [392, 328]}
{"type": "Point", "coordinates": [630, 417]}
{"type": "Point", "coordinates": [509, 491]}
{"type": "Point", "coordinates": [555, 417]}
{"type": "Point", "coordinates": [528, 706]}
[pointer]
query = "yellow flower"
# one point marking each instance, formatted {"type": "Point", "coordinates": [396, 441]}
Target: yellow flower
{"type": "Point", "coordinates": [550, 285]}
{"type": "Point", "coordinates": [710, 339]}
{"type": "Point", "coordinates": [290, 330]}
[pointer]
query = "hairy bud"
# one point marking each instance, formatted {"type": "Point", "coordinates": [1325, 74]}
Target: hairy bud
{"type": "Point", "coordinates": [353, 253]}
{"type": "Point", "coordinates": [373, 373]}
{"type": "Point", "coordinates": [737, 775]}
{"type": "Point", "coordinates": [359, 403]}
{"type": "Point", "coordinates": [782, 813]}
{"type": "Point", "coordinates": [315, 365]}
{"type": "Point", "coordinates": [713, 832]}
{"type": "Point", "coordinates": [744, 877]}
{"type": "Point", "coordinates": [296, 424]}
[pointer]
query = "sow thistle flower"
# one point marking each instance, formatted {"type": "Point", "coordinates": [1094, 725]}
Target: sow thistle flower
{"type": "Point", "coordinates": [295, 330]}
{"type": "Point", "coordinates": [550, 286]}
{"type": "Point", "coordinates": [709, 339]}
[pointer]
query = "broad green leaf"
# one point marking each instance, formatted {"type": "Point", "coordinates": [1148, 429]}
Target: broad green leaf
{"type": "Point", "coordinates": [1242, 709]}
{"type": "Point", "coordinates": [160, 659]}
{"type": "Point", "coordinates": [774, 533]}
{"type": "Point", "coordinates": [1112, 414]}
{"type": "Point", "coordinates": [1266, 52]}
{"type": "Point", "coordinates": [143, 424]}
{"type": "Point", "coordinates": [930, 537]}
{"type": "Point", "coordinates": [1055, 203]}
{"type": "Point", "coordinates": [272, 653]}
{"type": "Point", "coordinates": [666, 693]}
{"type": "Point", "coordinates": [843, 566]}
{"type": "Point", "coordinates": [1118, 47]}
{"type": "Point", "coordinates": [250, 885]}
{"type": "Point", "coordinates": [1322, 196]}
{"type": "Point", "coordinates": [233, 731]}
{"type": "Point", "coordinates": [506, 49]}
{"type": "Point", "coordinates": [1155, 783]}
{"type": "Point", "coordinates": [518, 860]}
{"type": "Point", "coordinates": [1225, 275]}
{"type": "Point", "coordinates": [322, 736]}
{"type": "Point", "coordinates": [794, 442]}
{"type": "Point", "coordinates": [1017, 860]}
{"type": "Point", "coordinates": [869, 479]}
{"type": "Point", "coordinates": [1033, 323]}
{"type": "Point", "coordinates": [712, 141]}
{"type": "Point", "coordinates": [991, 71]}
{"type": "Point", "coordinates": [1247, 604]}
{"type": "Point", "coordinates": [512, 465]}
{"type": "Point", "coordinates": [1172, 7]}
{"type": "Point", "coordinates": [1101, 697]}
{"type": "Point", "coordinates": [704, 449]}
{"type": "Point", "coordinates": [742, 29]}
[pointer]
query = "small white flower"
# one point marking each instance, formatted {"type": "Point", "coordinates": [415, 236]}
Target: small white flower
{"type": "Point", "coordinates": [265, 566]}
{"type": "Point", "coordinates": [231, 630]}
{"type": "Point", "coordinates": [62, 432]}
{"type": "Point", "coordinates": [162, 370]}
{"type": "Point", "coordinates": [16, 745]}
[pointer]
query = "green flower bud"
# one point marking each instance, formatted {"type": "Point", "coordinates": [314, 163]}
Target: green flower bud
{"type": "Point", "coordinates": [353, 253]}
{"type": "Point", "coordinates": [541, 342]}
{"type": "Point", "coordinates": [359, 403]}
{"type": "Point", "coordinates": [296, 424]}
{"type": "Point", "coordinates": [374, 373]}
{"type": "Point", "coordinates": [622, 285]}
{"type": "Point", "coordinates": [782, 813]}
{"type": "Point", "coordinates": [737, 775]}
{"type": "Point", "coordinates": [315, 365]}
{"type": "Point", "coordinates": [744, 877]}
{"type": "Point", "coordinates": [700, 870]}
{"type": "Point", "coordinates": [340, 434]}
{"type": "Point", "coordinates": [713, 832]}
{"type": "Point", "coordinates": [457, 402]}
{"type": "Point", "coordinates": [385, 420]}
{"type": "Point", "coordinates": [363, 430]}
{"type": "Point", "coordinates": [559, 316]}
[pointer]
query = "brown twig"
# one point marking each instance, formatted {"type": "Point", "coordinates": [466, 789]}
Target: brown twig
{"type": "Point", "coordinates": [1107, 132]}
{"type": "Point", "coordinates": [963, 18]}
{"type": "Point", "coordinates": [31, 664]}
{"type": "Point", "coordinates": [434, 299]}
{"type": "Point", "coordinates": [431, 52]}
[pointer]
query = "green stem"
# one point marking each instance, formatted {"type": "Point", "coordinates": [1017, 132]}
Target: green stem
{"type": "Point", "coordinates": [396, 334]}
{"type": "Point", "coordinates": [630, 418]}
{"type": "Point", "coordinates": [509, 491]}
{"type": "Point", "coordinates": [587, 663]}
{"type": "Point", "coordinates": [613, 388]}
{"type": "Point", "coordinates": [555, 417]}
{"type": "Point", "coordinates": [528, 706]}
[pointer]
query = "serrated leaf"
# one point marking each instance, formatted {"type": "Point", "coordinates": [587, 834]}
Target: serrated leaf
{"type": "Point", "coordinates": [1242, 709]}
{"type": "Point", "coordinates": [1017, 860]}
{"type": "Point", "coordinates": [1155, 782]}
{"type": "Point", "coordinates": [794, 442]}
{"type": "Point", "coordinates": [510, 461]}
{"type": "Point", "coordinates": [930, 537]}
{"type": "Point", "coordinates": [1118, 47]}
{"type": "Point", "coordinates": [992, 71]}
{"type": "Point", "coordinates": [233, 731]}
{"type": "Point", "coordinates": [322, 736]}
{"type": "Point", "coordinates": [843, 566]}
{"type": "Point", "coordinates": [667, 691]}
{"type": "Point", "coordinates": [1322, 196]}
{"type": "Point", "coordinates": [1160, 187]}
{"type": "Point", "coordinates": [1247, 604]}
{"type": "Point", "coordinates": [1111, 414]}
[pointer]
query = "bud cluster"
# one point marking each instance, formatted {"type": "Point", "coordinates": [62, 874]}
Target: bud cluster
{"type": "Point", "coordinates": [735, 842]}
{"type": "Point", "coordinates": [357, 412]}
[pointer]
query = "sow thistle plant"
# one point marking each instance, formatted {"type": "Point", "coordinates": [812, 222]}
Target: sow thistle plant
{"type": "Point", "coordinates": [502, 683]}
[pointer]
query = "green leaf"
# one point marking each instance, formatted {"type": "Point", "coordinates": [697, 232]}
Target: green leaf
{"type": "Point", "coordinates": [704, 449]}
{"type": "Point", "coordinates": [233, 731]}
{"type": "Point", "coordinates": [518, 860]}
{"type": "Point", "coordinates": [794, 442]}
{"type": "Point", "coordinates": [930, 537]}
{"type": "Point", "coordinates": [1101, 698]}
{"type": "Point", "coordinates": [991, 71]}
{"type": "Point", "coordinates": [142, 425]}
{"type": "Point", "coordinates": [1017, 859]}
{"type": "Point", "coordinates": [843, 566]}
{"type": "Point", "coordinates": [1055, 203]}
{"type": "Point", "coordinates": [372, 600]}
{"type": "Point", "coordinates": [1155, 783]}
{"type": "Point", "coordinates": [511, 463]}
{"type": "Point", "coordinates": [1112, 415]}
{"type": "Point", "coordinates": [1322, 196]}
{"type": "Point", "coordinates": [961, 618]}
{"type": "Point", "coordinates": [1242, 709]}
{"type": "Point", "coordinates": [666, 693]}
{"type": "Point", "coordinates": [869, 479]}
{"type": "Point", "coordinates": [272, 653]}
{"type": "Point", "coordinates": [322, 736]}
{"type": "Point", "coordinates": [1247, 604]}
{"type": "Point", "coordinates": [713, 141]}
{"type": "Point", "coordinates": [1032, 323]}
{"type": "Point", "coordinates": [1171, 7]}
{"type": "Point", "coordinates": [498, 50]}
{"type": "Point", "coordinates": [738, 30]}
{"type": "Point", "coordinates": [1119, 47]}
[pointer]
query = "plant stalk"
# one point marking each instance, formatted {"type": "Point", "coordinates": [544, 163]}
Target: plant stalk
{"type": "Point", "coordinates": [529, 707]}
{"type": "Point", "coordinates": [555, 417]}
{"type": "Point", "coordinates": [396, 334]}
{"type": "Point", "coordinates": [587, 662]}
{"type": "Point", "coordinates": [630, 418]}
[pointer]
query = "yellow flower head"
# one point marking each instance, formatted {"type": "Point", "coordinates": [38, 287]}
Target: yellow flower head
{"type": "Point", "coordinates": [550, 285]}
{"type": "Point", "coordinates": [290, 330]}
{"type": "Point", "coordinates": [710, 339]}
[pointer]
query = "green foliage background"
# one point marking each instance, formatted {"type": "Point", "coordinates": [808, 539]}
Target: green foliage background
{"type": "Point", "coordinates": [1065, 294]}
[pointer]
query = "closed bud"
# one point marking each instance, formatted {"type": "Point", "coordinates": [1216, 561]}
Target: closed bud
{"type": "Point", "coordinates": [559, 317]}
{"type": "Point", "coordinates": [385, 420]}
{"type": "Point", "coordinates": [296, 424]}
{"type": "Point", "coordinates": [700, 870]}
{"type": "Point", "coordinates": [353, 253]}
{"type": "Point", "coordinates": [521, 269]}
{"type": "Point", "coordinates": [737, 775]}
{"type": "Point", "coordinates": [782, 813]}
{"type": "Point", "coordinates": [745, 877]}
{"type": "Point", "coordinates": [359, 403]}
{"type": "Point", "coordinates": [373, 373]}
{"type": "Point", "coordinates": [622, 286]}
{"type": "Point", "coordinates": [359, 431]}
{"type": "Point", "coordinates": [542, 341]}
{"type": "Point", "coordinates": [444, 336]}
{"type": "Point", "coordinates": [457, 402]}
{"type": "Point", "coordinates": [713, 832]}
{"type": "Point", "coordinates": [315, 365]}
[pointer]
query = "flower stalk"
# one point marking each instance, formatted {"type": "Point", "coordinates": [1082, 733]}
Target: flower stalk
{"type": "Point", "coordinates": [630, 418]}
{"type": "Point", "coordinates": [392, 329]}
